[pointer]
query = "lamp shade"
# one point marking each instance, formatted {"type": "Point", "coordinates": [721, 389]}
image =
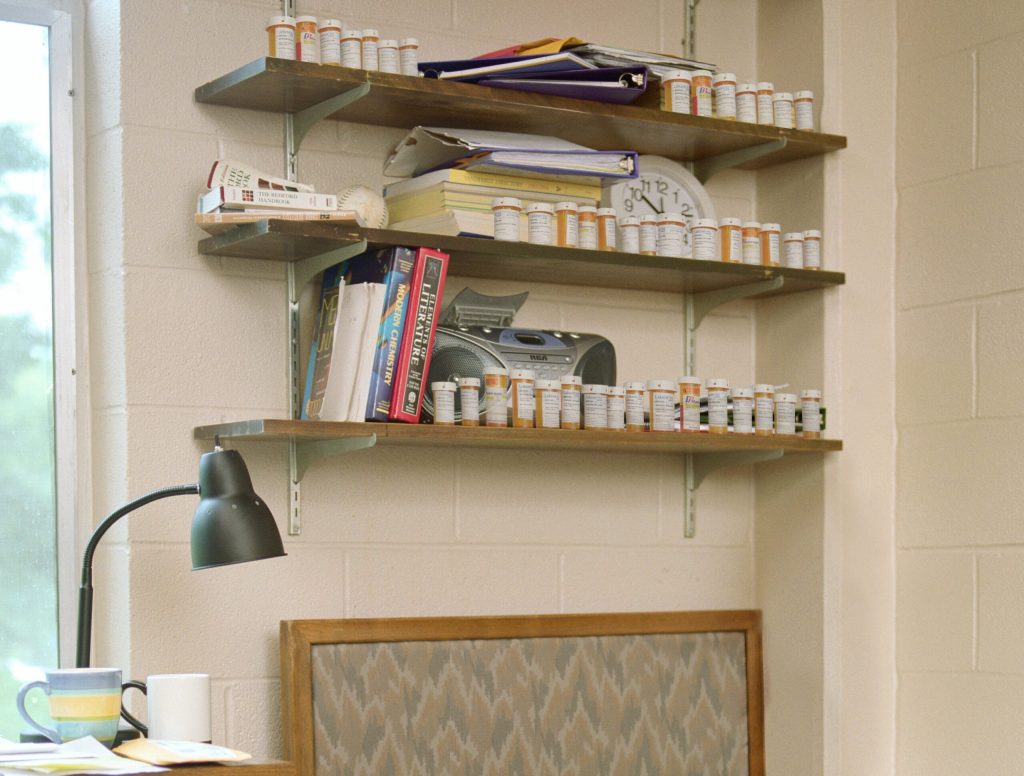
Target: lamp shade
{"type": "Point", "coordinates": [231, 524]}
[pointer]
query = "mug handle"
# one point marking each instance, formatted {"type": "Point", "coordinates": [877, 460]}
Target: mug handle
{"type": "Point", "coordinates": [124, 712]}
{"type": "Point", "coordinates": [53, 735]}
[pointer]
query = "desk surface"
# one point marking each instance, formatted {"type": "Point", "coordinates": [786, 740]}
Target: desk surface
{"type": "Point", "coordinates": [251, 768]}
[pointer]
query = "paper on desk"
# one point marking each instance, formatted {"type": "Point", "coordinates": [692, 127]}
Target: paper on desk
{"type": "Point", "coordinates": [83, 755]}
{"type": "Point", "coordinates": [10, 747]}
{"type": "Point", "coordinates": [159, 752]}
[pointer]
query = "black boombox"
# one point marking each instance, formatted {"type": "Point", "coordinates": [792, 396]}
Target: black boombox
{"type": "Point", "coordinates": [464, 351]}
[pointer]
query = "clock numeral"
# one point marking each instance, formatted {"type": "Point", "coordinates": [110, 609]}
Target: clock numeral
{"type": "Point", "coordinates": [628, 204]}
{"type": "Point", "coordinates": [662, 186]}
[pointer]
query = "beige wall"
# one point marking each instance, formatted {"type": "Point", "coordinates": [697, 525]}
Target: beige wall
{"type": "Point", "coordinates": [960, 333]}
{"type": "Point", "coordinates": [179, 340]}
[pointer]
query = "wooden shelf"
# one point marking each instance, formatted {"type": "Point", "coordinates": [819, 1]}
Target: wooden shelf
{"type": "Point", "coordinates": [278, 240]}
{"type": "Point", "coordinates": [285, 86]}
{"type": "Point", "coordinates": [404, 434]}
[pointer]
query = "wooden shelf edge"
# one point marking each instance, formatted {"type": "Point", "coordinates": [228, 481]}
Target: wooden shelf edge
{"type": "Point", "coordinates": [289, 86]}
{"type": "Point", "coordinates": [403, 434]}
{"type": "Point", "coordinates": [282, 240]}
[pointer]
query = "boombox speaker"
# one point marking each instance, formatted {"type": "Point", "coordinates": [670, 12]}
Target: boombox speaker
{"type": "Point", "coordinates": [464, 351]}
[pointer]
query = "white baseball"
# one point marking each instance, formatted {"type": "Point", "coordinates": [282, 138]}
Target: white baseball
{"type": "Point", "coordinates": [367, 203]}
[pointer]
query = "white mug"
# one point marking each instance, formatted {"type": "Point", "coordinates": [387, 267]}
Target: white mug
{"type": "Point", "coordinates": [178, 707]}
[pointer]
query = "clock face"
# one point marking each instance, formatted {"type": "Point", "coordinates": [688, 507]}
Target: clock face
{"type": "Point", "coordinates": [663, 186]}
{"type": "Point", "coordinates": [655, 193]}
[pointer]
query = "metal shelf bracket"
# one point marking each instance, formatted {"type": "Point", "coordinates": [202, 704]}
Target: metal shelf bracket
{"type": "Point", "coordinates": [700, 466]}
{"type": "Point", "coordinates": [699, 305]}
{"type": "Point", "coordinates": [302, 455]}
{"type": "Point", "coordinates": [297, 124]}
{"type": "Point", "coordinates": [304, 270]}
{"type": "Point", "coordinates": [703, 169]}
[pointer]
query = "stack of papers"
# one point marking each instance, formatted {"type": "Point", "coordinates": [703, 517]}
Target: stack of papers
{"type": "Point", "coordinates": [561, 73]}
{"type": "Point", "coordinates": [474, 69]}
{"type": "Point", "coordinates": [660, 64]}
{"type": "Point", "coordinates": [84, 755]}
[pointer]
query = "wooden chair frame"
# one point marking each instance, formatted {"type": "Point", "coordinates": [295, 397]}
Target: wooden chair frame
{"type": "Point", "coordinates": [299, 636]}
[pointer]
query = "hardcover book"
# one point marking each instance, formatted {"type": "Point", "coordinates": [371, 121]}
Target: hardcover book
{"type": "Point", "coordinates": [426, 290]}
{"type": "Point", "coordinates": [392, 267]}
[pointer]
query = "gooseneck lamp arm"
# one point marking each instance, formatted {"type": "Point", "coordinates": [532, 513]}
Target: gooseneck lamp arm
{"type": "Point", "coordinates": [83, 644]}
{"type": "Point", "coordinates": [231, 525]}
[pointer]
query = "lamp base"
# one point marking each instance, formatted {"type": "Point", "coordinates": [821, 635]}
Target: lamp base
{"type": "Point", "coordinates": [123, 734]}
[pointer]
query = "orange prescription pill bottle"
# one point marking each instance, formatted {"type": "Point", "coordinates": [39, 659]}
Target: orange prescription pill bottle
{"type": "Point", "coordinates": [770, 245]}
{"type": "Point", "coordinates": [718, 405]}
{"type": "Point", "coordinates": [764, 408]}
{"type": "Point", "coordinates": [661, 404]}
{"type": "Point", "coordinates": [281, 37]}
{"type": "Point", "coordinates": [522, 398]}
{"type": "Point", "coordinates": [495, 388]}
{"type": "Point", "coordinates": [635, 394]}
{"type": "Point", "coordinates": [548, 397]}
{"type": "Point", "coordinates": [689, 403]}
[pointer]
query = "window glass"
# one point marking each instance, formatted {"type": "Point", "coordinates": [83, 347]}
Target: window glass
{"type": "Point", "coordinates": [28, 557]}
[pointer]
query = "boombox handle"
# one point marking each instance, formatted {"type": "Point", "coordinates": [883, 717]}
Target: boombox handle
{"type": "Point", "coordinates": [469, 308]}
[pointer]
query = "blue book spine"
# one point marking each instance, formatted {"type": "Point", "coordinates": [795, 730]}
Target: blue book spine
{"type": "Point", "coordinates": [392, 267]}
{"type": "Point", "coordinates": [322, 345]}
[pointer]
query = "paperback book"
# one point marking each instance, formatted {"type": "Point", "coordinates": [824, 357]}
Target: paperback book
{"type": "Point", "coordinates": [555, 185]}
{"type": "Point", "coordinates": [355, 336]}
{"type": "Point", "coordinates": [238, 198]}
{"type": "Point", "coordinates": [322, 350]}
{"type": "Point", "coordinates": [228, 173]}
{"type": "Point", "coordinates": [468, 223]}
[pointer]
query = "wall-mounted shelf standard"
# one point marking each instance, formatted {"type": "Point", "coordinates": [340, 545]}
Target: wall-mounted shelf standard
{"type": "Point", "coordinates": [291, 241]}
{"type": "Point", "coordinates": [285, 86]}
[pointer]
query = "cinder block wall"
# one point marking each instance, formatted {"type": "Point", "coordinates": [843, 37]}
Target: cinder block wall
{"type": "Point", "coordinates": [960, 342]}
{"type": "Point", "coordinates": [179, 340]}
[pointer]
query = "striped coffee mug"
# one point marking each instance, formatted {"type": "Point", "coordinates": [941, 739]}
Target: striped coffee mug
{"type": "Point", "coordinates": [83, 702]}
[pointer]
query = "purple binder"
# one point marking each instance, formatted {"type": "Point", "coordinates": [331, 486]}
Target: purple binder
{"type": "Point", "coordinates": [621, 85]}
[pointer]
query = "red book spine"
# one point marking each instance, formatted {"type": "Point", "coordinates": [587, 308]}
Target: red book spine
{"type": "Point", "coordinates": [423, 310]}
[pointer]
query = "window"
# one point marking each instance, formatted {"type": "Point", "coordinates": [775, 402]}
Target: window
{"type": "Point", "coordinates": [35, 141]}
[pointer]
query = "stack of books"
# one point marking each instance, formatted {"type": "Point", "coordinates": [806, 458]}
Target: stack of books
{"type": "Point", "coordinates": [456, 174]}
{"type": "Point", "coordinates": [238, 194]}
{"type": "Point", "coordinates": [453, 201]}
{"type": "Point", "coordinates": [373, 336]}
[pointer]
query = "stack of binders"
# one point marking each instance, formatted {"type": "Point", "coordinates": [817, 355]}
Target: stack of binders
{"type": "Point", "coordinates": [561, 73]}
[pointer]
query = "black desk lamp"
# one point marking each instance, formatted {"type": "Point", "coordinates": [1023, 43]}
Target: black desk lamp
{"type": "Point", "coordinates": [231, 525]}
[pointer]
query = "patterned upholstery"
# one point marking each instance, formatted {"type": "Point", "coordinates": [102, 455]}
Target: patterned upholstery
{"type": "Point", "coordinates": [562, 706]}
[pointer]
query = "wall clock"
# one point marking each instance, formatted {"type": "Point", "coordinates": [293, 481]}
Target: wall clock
{"type": "Point", "coordinates": [663, 186]}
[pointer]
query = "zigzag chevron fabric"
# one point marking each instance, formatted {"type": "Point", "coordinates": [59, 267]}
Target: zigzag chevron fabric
{"type": "Point", "coordinates": [646, 705]}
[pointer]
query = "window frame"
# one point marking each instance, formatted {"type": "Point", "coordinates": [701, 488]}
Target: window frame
{"type": "Point", "coordinates": [70, 292]}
